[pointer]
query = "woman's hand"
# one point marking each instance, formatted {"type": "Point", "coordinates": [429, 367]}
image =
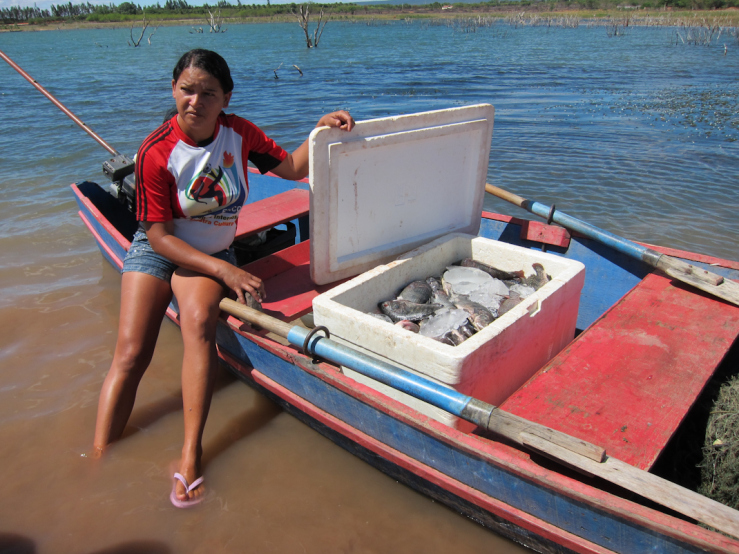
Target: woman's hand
{"type": "Point", "coordinates": [295, 166]}
{"type": "Point", "coordinates": [162, 239]}
{"type": "Point", "coordinates": [243, 283]}
{"type": "Point", "coordinates": [341, 119]}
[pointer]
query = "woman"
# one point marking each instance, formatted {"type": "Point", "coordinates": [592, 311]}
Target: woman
{"type": "Point", "coordinates": [190, 186]}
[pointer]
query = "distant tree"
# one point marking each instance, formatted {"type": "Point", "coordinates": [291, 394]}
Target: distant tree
{"type": "Point", "coordinates": [128, 8]}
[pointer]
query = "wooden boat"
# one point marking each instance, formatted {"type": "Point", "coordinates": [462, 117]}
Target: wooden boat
{"type": "Point", "coordinates": [646, 346]}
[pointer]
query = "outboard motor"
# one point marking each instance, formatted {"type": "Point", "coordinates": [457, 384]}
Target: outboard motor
{"type": "Point", "coordinates": [119, 170]}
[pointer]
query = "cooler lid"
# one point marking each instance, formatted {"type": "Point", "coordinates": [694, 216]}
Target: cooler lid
{"type": "Point", "coordinates": [393, 184]}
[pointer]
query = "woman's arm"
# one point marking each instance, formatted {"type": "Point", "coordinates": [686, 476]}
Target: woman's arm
{"type": "Point", "coordinates": [162, 240]}
{"type": "Point", "coordinates": [295, 166]}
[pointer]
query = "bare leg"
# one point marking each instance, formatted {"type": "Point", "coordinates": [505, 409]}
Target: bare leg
{"type": "Point", "coordinates": [144, 301]}
{"type": "Point", "coordinates": [198, 297]}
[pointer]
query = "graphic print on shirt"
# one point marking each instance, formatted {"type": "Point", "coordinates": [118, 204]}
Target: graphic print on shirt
{"type": "Point", "coordinates": [214, 190]}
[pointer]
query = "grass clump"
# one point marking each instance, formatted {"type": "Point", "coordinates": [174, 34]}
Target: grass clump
{"type": "Point", "coordinates": [720, 467]}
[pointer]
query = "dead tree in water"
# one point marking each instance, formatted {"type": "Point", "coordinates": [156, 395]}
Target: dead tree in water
{"type": "Point", "coordinates": [215, 22]}
{"type": "Point", "coordinates": [152, 34]}
{"type": "Point", "coordinates": [133, 42]}
{"type": "Point", "coordinates": [303, 18]}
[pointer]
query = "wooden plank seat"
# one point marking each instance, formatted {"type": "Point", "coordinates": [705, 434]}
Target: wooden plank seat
{"type": "Point", "coordinates": [286, 276]}
{"type": "Point", "coordinates": [627, 382]}
{"type": "Point", "coordinates": [275, 210]}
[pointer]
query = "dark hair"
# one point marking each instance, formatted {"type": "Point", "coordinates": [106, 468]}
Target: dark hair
{"type": "Point", "coordinates": [208, 61]}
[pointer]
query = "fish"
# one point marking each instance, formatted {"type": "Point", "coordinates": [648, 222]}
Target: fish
{"type": "Point", "coordinates": [382, 317]}
{"type": "Point", "coordinates": [467, 298]}
{"type": "Point", "coordinates": [492, 271]}
{"type": "Point", "coordinates": [253, 302]}
{"type": "Point", "coordinates": [444, 340]}
{"type": "Point", "coordinates": [539, 278]}
{"type": "Point", "coordinates": [434, 283]}
{"type": "Point", "coordinates": [398, 310]}
{"type": "Point", "coordinates": [440, 297]}
{"type": "Point", "coordinates": [409, 325]}
{"type": "Point", "coordinates": [509, 303]}
{"type": "Point", "coordinates": [456, 337]}
{"type": "Point", "coordinates": [479, 316]}
{"type": "Point", "coordinates": [417, 291]}
{"type": "Point", "coordinates": [468, 329]}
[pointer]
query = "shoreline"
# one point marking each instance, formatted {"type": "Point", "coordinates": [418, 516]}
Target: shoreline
{"type": "Point", "coordinates": [728, 17]}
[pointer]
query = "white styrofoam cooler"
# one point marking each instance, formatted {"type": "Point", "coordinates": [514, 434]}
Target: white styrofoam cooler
{"type": "Point", "coordinates": [415, 184]}
{"type": "Point", "coordinates": [491, 364]}
{"type": "Point", "coordinates": [393, 184]}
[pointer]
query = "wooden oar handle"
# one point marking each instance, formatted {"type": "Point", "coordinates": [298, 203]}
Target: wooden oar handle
{"type": "Point", "coordinates": [505, 195]}
{"type": "Point", "coordinates": [251, 315]}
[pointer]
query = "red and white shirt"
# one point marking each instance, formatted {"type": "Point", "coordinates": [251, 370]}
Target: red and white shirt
{"type": "Point", "coordinates": [202, 187]}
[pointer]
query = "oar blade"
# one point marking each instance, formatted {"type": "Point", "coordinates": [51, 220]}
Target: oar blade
{"type": "Point", "coordinates": [645, 484]}
{"type": "Point", "coordinates": [707, 281]}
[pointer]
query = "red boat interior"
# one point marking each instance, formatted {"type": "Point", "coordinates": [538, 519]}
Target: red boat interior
{"type": "Point", "coordinates": [628, 381]}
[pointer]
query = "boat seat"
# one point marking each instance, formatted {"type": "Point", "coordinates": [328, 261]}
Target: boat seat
{"type": "Point", "coordinates": [627, 381]}
{"type": "Point", "coordinates": [287, 282]}
{"type": "Point", "coordinates": [275, 210]}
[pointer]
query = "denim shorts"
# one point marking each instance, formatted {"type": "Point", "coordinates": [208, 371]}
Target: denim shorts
{"type": "Point", "coordinates": [141, 258]}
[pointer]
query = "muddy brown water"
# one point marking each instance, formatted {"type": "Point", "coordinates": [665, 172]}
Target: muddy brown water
{"type": "Point", "coordinates": [275, 484]}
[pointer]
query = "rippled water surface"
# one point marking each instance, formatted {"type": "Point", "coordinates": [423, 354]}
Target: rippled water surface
{"type": "Point", "coordinates": [633, 133]}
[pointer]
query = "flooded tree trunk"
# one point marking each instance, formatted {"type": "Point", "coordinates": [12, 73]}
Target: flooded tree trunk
{"type": "Point", "coordinates": [134, 42]}
{"type": "Point", "coordinates": [303, 17]}
{"type": "Point", "coordinates": [215, 22]}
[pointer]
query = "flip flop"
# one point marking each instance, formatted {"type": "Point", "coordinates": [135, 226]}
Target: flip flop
{"type": "Point", "coordinates": [176, 502]}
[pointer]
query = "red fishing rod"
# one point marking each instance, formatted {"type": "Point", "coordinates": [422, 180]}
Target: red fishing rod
{"type": "Point", "coordinates": [117, 168]}
{"type": "Point", "coordinates": [58, 104]}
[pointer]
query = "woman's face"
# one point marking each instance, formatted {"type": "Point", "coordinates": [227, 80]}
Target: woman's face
{"type": "Point", "coordinates": [200, 99]}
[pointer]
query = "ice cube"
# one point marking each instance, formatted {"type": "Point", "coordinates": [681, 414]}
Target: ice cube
{"type": "Point", "coordinates": [443, 321]}
{"type": "Point", "coordinates": [464, 280]}
{"type": "Point", "coordinates": [523, 290]}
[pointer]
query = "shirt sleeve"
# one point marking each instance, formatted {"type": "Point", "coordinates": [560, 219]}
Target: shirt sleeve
{"type": "Point", "coordinates": [153, 180]}
{"type": "Point", "coordinates": [259, 149]}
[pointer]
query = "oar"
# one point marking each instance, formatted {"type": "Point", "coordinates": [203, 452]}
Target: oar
{"type": "Point", "coordinates": [559, 446]}
{"type": "Point", "coordinates": [707, 281]}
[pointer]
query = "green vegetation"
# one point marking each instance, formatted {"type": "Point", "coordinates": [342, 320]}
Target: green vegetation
{"type": "Point", "coordinates": [720, 467]}
{"type": "Point", "coordinates": [181, 10]}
